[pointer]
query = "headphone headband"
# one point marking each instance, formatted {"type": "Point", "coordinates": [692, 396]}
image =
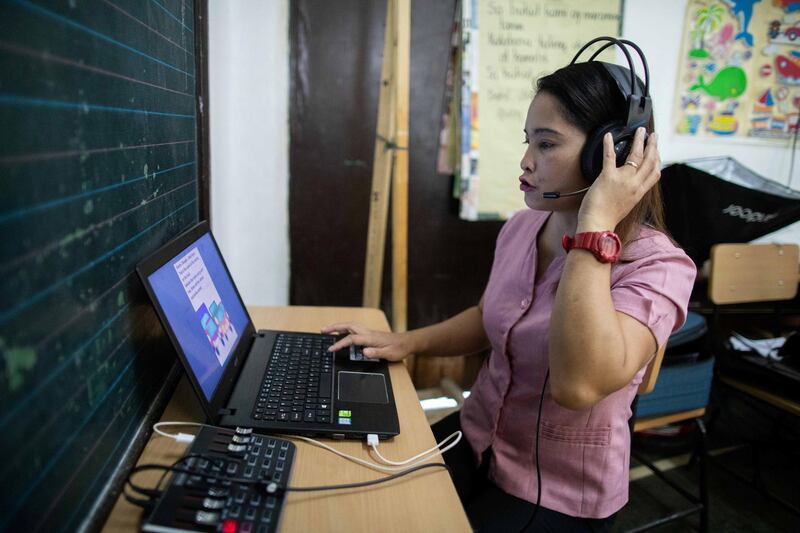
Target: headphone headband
{"type": "Point", "coordinates": [622, 44]}
{"type": "Point", "coordinates": [637, 98]}
{"type": "Point", "coordinates": [639, 106]}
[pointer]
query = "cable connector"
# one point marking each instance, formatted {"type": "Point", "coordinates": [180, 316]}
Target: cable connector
{"type": "Point", "coordinates": [446, 444]}
{"type": "Point", "coordinates": [372, 440]}
{"type": "Point", "coordinates": [184, 437]}
{"type": "Point", "coordinates": [180, 437]}
{"type": "Point", "coordinates": [273, 488]}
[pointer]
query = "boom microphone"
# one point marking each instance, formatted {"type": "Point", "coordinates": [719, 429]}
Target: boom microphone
{"type": "Point", "coordinates": [554, 194]}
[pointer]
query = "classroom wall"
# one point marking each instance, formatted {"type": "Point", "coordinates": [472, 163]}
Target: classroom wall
{"type": "Point", "coordinates": [657, 26]}
{"type": "Point", "coordinates": [248, 90]}
{"type": "Point", "coordinates": [336, 62]}
{"type": "Point", "coordinates": [249, 147]}
{"type": "Point", "coordinates": [250, 131]}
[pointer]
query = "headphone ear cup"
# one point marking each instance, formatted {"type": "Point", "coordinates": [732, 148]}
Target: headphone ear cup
{"type": "Point", "coordinates": [592, 154]}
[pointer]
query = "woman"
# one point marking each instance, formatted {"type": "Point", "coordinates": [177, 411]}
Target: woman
{"type": "Point", "coordinates": [571, 332]}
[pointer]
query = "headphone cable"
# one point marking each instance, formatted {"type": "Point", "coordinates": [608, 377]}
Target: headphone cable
{"type": "Point", "coordinates": [538, 468]}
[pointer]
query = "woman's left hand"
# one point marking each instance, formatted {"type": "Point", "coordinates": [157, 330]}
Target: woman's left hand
{"type": "Point", "coordinates": [617, 190]}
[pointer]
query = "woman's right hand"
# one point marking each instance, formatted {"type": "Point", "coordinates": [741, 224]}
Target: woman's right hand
{"type": "Point", "coordinates": [377, 344]}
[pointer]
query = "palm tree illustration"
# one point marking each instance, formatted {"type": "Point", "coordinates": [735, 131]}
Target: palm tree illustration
{"type": "Point", "coordinates": [707, 19]}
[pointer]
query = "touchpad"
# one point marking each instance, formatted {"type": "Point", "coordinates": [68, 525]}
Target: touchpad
{"type": "Point", "coordinates": [363, 387]}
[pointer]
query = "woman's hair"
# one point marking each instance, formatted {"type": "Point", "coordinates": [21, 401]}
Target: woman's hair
{"type": "Point", "coordinates": [589, 98]}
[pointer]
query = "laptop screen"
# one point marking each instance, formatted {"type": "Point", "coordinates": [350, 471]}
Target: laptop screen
{"type": "Point", "coordinates": [202, 308]}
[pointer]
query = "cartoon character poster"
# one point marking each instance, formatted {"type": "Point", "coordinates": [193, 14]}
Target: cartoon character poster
{"type": "Point", "coordinates": [740, 69]}
{"type": "Point", "coordinates": [211, 315]}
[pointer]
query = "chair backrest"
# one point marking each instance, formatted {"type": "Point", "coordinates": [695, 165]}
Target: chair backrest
{"type": "Point", "coordinates": [651, 374]}
{"type": "Point", "coordinates": [741, 273]}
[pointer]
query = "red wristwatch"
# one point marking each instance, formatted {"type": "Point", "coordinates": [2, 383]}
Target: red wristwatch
{"type": "Point", "coordinates": [605, 245]}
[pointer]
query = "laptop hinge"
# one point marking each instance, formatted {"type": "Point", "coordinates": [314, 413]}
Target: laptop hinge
{"type": "Point", "coordinates": [226, 412]}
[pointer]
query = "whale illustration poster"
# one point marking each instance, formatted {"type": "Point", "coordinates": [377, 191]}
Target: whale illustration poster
{"type": "Point", "coordinates": [739, 72]}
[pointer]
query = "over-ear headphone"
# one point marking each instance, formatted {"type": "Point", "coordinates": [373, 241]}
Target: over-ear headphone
{"type": "Point", "coordinates": [640, 108]}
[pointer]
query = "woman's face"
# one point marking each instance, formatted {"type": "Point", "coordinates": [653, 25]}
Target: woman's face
{"type": "Point", "coordinates": [552, 158]}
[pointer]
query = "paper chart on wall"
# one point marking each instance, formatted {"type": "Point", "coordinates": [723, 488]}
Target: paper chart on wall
{"type": "Point", "coordinates": [739, 72]}
{"type": "Point", "coordinates": [507, 46]}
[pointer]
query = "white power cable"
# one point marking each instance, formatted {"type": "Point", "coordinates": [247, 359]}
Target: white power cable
{"type": "Point", "coordinates": [436, 450]}
{"type": "Point", "coordinates": [372, 442]}
{"type": "Point", "coordinates": [374, 466]}
{"type": "Point", "coordinates": [179, 437]}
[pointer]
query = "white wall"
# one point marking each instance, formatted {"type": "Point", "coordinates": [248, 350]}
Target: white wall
{"type": "Point", "coordinates": [657, 26]}
{"type": "Point", "coordinates": [249, 134]}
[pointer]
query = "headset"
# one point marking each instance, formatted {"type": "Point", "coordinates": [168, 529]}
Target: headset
{"type": "Point", "coordinates": [639, 105]}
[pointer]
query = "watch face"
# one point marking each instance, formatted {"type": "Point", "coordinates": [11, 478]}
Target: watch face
{"type": "Point", "coordinates": [608, 246]}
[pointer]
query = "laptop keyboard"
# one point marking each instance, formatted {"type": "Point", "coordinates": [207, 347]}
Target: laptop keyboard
{"type": "Point", "coordinates": [298, 382]}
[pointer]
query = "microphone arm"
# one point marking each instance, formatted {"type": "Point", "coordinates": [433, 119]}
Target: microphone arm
{"type": "Point", "coordinates": [554, 195]}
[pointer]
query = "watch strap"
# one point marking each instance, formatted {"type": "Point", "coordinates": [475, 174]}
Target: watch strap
{"type": "Point", "coordinates": [593, 241]}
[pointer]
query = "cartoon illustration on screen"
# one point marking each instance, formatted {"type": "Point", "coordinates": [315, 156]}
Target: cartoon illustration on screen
{"type": "Point", "coordinates": [217, 327]}
{"type": "Point", "coordinates": [207, 304]}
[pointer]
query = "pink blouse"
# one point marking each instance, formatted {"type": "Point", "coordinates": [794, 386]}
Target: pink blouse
{"type": "Point", "coordinates": [584, 455]}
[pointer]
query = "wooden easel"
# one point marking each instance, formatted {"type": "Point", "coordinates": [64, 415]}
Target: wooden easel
{"type": "Point", "coordinates": [390, 167]}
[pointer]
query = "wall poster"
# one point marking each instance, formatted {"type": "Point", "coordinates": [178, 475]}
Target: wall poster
{"type": "Point", "coordinates": [739, 72]}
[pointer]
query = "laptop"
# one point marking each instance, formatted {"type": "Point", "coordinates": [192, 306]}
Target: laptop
{"type": "Point", "coordinates": [273, 381]}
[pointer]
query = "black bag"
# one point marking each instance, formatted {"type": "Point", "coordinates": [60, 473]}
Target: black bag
{"type": "Point", "coordinates": [717, 200]}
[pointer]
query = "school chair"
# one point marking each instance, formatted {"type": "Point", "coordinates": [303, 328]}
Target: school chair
{"type": "Point", "coordinates": [748, 276]}
{"type": "Point", "coordinates": [679, 394]}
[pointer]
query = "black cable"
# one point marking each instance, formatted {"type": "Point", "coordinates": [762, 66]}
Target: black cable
{"type": "Point", "coordinates": [145, 504]}
{"type": "Point", "coordinates": [538, 469]}
{"type": "Point", "coordinates": [156, 492]}
{"type": "Point", "coordinates": [150, 493]}
{"type": "Point", "coordinates": [220, 462]}
{"type": "Point", "coordinates": [272, 487]}
{"type": "Point", "coordinates": [368, 483]}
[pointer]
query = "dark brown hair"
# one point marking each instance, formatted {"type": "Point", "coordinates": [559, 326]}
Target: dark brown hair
{"type": "Point", "coordinates": [589, 97]}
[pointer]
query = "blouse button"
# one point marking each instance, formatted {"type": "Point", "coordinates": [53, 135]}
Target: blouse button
{"type": "Point", "coordinates": [524, 303]}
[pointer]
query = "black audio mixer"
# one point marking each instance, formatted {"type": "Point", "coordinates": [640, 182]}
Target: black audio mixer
{"type": "Point", "coordinates": [232, 485]}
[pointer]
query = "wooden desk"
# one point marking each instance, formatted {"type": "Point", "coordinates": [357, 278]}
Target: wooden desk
{"type": "Point", "coordinates": [422, 501]}
{"type": "Point", "coordinates": [777, 400]}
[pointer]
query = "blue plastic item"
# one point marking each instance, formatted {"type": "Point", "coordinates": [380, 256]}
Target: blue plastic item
{"type": "Point", "coordinates": [686, 384]}
{"type": "Point", "coordinates": [678, 388]}
{"type": "Point", "coordinates": [694, 328]}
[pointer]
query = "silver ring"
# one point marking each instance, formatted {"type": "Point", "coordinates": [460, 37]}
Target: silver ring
{"type": "Point", "coordinates": [634, 164]}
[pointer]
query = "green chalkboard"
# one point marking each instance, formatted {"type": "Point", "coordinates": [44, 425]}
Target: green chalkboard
{"type": "Point", "coordinates": [99, 166]}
